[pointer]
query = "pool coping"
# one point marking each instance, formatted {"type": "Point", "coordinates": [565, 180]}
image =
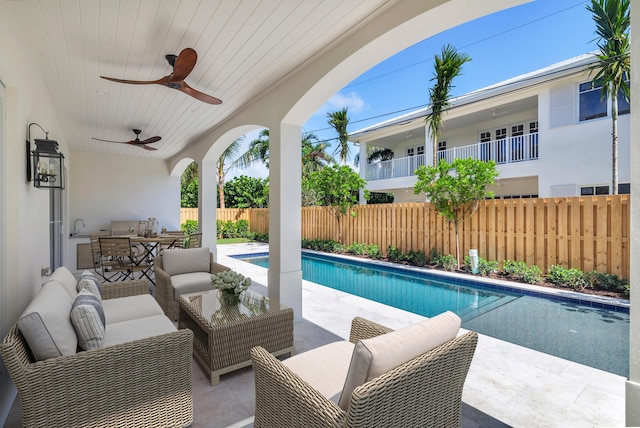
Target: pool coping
{"type": "Point", "coordinates": [600, 302]}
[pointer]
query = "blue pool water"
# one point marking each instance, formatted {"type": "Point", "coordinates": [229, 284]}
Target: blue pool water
{"type": "Point", "coordinates": [589, 333]}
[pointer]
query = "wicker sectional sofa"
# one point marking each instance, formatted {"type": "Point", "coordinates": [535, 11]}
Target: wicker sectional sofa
{"type": "Point", "coordinates": [138, 376]}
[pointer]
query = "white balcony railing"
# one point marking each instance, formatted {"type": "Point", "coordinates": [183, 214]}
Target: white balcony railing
{"type": "Point", "coordinates": [401, 167]}
{"type": "Point", "coordinates": [505, 150]}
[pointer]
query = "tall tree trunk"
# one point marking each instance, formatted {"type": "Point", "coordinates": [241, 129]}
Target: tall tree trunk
{"type": "Point", "coordinates": [221, 191]}
{"type": "Point", "coordinates": [614, 143]}
{"type": "Point", "coordinates": [455, 225]}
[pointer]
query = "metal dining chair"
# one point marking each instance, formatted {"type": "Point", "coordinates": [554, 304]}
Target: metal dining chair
{"type": "Point", "coordinates": [194, 240]}
{"type": "Point", "coordinates": [118, 253]}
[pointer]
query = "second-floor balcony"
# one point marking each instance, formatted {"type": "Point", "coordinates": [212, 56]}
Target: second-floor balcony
{"type": "Point", "coordinates": [505, 150]}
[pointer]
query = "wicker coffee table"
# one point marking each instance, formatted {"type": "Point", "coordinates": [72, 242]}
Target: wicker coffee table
{"type": "Point", "coordinates": [225, 333]}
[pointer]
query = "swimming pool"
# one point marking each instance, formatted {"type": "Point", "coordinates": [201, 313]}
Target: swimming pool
{"type": "Point", "coordinates": [591, 333]}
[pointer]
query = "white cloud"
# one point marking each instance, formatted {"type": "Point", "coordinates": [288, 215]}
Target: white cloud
{"type": "Point", "coordinates": [351, 100]}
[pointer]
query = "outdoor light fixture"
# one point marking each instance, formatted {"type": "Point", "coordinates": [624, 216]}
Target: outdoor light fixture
{"type": "Point", "coordinates": [48, 163]}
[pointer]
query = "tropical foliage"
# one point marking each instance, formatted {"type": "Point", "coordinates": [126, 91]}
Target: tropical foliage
{"type": "Point", "coordinates": [226, 161]}
{"type": "Point", "coordinates": [339, 120]}
{"type": "Point", "coordinates": [337, 189]}
{"type": "Point", "coordinates": [614, 63]}
{"type": "Point", "coordinates": [454, 189]}
{"type": "Point", "coordinates": [247, 192]}
{"type": "Point", "coordinates": [447, 66]}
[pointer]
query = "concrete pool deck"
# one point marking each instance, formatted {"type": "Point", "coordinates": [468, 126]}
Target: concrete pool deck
{"type": "Point", "coordinates": [512, 384]}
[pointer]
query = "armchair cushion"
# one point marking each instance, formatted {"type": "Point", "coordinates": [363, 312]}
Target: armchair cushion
{"type": "Point", "coordinates": [377, 355]}
{"type": "Point", "coordinates": [87, 317]}
{"type": "Point", "coordinates": [190, 282]}
{"type": "Point", "coordinates": [177, 261]}
{"type": "Point", "coordinates": [325, 368]}
{"type": "Point", "coordinates": [45, 323]}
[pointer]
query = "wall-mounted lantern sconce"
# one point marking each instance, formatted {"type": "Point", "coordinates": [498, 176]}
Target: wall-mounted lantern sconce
{"type": "Point", "coordinates": [48, 163]}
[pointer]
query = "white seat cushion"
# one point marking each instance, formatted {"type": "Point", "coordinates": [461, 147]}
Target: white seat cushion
{"type": "Point", "coordinates": [324, 368]}
{"type": "Point", "coordinates": [46, 325]}
{"type": "Point", "coordinates": [132, 307]}
{"type": "Point", "coordinates": [190, 283]}
{"type": "Point", "coordinates": [376, 356]}
{"type": "Point", "coordinates": [128, 331]}
{"type": "Point", "coordinates": [177, 261]}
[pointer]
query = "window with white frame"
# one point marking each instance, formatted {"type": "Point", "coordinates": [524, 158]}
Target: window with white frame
{"type": "Point", "coordinates": [411, 151]}
{"type": "Point", "coordinates": [594, 190]}
{"type": "Point", "coordinates": [592, 105]}
{"type": "Point", "coordinates": [485, 136]}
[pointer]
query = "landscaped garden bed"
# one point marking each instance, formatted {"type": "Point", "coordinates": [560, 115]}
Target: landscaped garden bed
{"type": "Point", "coordinates": [595, 283]}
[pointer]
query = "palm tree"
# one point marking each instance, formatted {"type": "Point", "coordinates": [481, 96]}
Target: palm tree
{"type": "Point", "coordinates": [314, 154]}
{"type": "Point", "coordinates": [258, 150]}
{"type": "Point", "coordinates": [339, 121]}
{"type": "Point", "coordinates": [374, 154]}
{"type": "Point", "coordinates": [614, 63]}
{"type": "Point", "coordinates": [189, 174]}
{"type": "Point", "coordinates": [227, 161]}
{"type": "Point", "coordinates": [446, 67]}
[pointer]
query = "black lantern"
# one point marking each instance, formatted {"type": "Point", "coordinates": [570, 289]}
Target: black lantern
{"type": "Point", "coordinates": [48, 163]}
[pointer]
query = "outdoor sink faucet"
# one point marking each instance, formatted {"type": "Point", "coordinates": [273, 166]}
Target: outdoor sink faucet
{"type": "Point", "coordinates": [75, 225]}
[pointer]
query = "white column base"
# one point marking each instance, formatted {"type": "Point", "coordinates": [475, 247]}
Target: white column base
{"type": "Point", "coordinates": [632, 404]}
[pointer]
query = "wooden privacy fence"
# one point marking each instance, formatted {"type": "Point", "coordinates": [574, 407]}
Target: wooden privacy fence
{"type": "Point", "coordinates": [588, 233]}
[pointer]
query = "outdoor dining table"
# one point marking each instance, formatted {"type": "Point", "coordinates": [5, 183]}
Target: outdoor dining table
{"type": "Point", "coordinates": [149, 247]}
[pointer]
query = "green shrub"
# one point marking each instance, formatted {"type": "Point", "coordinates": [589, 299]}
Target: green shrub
{"type": "Point", "coordinates": [564, 277]}
{"type": "Point", "coordinates": [374, 252]}
{"type": "Point", "coordinates": [327, 246]}
{"type": "Point", "coordinates": [485, 267]}
{"type": "Point", "coordinates": [607, 281]}
{"type": "Point", "coordinates": [521, 272]}
{"type": "Point", "coordinates": [394, 255]}
{"type": "Point", "coordinates": [357, 249]}
{"type": "Point", "coordinates": [189, 227]}
{"type": "Point", "coordinates": [260, 237]}
{"type": "Point", "coordinates": [417, 258]}
{"type": "Point", "coordinates": [446, 262]}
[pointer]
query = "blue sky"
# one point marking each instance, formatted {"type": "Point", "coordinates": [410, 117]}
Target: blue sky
{"type": "Point", "coordinates": [501, 46]}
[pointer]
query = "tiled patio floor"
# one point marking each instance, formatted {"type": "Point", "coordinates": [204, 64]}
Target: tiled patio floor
{"type": "Point", "coordinates": [507, 385]}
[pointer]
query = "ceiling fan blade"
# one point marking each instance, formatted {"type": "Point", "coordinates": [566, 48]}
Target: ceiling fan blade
{"type": "Point", "coordinates": [144, 146]}
{"type": "Point", "coordinates": [199, 95]}
{"type": "Point", "coordinates": [149, 140]}
{"type": "Point", "coordinates": [162, 81]}
{"type": "Point", "coordinates": [106, 141]}
{"type": "Point", "coordinates": [184, 64]}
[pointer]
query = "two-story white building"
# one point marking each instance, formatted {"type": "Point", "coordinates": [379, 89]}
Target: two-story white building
{"type": "Point", "coordinates": [549, 131]}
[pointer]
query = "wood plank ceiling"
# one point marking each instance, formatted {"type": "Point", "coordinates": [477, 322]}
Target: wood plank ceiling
{"type": "Point", "coordinates": [243, 47]}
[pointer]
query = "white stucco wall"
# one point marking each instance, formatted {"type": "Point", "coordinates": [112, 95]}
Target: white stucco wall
{"type": "Point", "coordinates": [107, 187]}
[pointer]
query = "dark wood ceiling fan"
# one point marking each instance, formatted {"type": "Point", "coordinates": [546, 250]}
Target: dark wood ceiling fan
{"type": "Point", "coordinates": [182, 65]}
{"type": "Point", "coordinates": [137, 142]}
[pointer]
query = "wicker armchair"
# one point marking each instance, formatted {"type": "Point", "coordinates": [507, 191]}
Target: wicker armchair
{"type": "Point", "coordinates": [166, 294]}
{"type": "Point", "coordinates": [423, 392]}
{"type": "Point", "coordinates": [142, 383]}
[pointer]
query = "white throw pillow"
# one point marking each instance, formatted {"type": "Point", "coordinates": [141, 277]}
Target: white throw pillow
{"type": "Point", "coordinates": [87, 317]}
{"type": "Point", "coordinates": [177, 261]}
{"type": "Point", "coordinates": [376, 356]}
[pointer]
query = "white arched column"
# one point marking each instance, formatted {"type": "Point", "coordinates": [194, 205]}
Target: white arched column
{"type": "Point", "coordinates": [633, 383]}
{"type": "Point", "coordinates": [207, 202]}
{"type": "Point", "coordinates": [285, 264]}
